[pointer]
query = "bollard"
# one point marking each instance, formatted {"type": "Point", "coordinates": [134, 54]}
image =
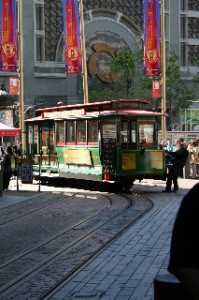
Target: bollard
{"type": "Point", "coordinates": [1, 180]}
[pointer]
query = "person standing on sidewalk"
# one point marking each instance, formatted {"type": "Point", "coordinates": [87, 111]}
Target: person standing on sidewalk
{"type": "Point", "coordinates": [8, 163]}
{"type": "Point", "coordinates": [184, 249]}
{"type": "Point", "coordinates": [180, 156]}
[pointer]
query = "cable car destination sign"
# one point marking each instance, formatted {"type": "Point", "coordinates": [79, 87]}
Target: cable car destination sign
{"type": "Point", "coordinates": [63, 113]}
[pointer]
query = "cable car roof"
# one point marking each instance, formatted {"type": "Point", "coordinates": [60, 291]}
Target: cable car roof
{"type": "Point", "coordinates": [99, 106]}
{"type": "Point", "coordinates": [121, 107]}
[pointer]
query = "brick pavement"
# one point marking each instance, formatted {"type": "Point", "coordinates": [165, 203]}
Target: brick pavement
{"type": "Point", "coordinates": [125, 270]}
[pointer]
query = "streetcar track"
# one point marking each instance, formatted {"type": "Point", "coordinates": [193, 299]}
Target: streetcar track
{"type": "Point", "coordinates": [53, 256]}
{"type": "Point", "coordinates": [84, 221]}
{"type": "Point", "coordinates": [23, 206]}
{"type": "Point", "coordinates": [81, 234]}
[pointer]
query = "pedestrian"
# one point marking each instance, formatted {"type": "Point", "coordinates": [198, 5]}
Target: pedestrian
{"type": "Point", "coordinates": [2, 152]}
{"type": "Point", "coordinates": [180, 156]}
{"type": "Point", "coordinates": [20, 150]}
{"type": "Point", "coordinates": [169, 148]}
{"type": "Point", "coordinates": [192, 148]}
{"type": "Point", "coordinates": [8, 164]}
{"type": "Point", "coordinates": [184, 249]}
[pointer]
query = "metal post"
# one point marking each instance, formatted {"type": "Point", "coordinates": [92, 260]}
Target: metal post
{"type": "Point", "coordinates": [83, 46]}
{"type": "Point", "coordinates": [21, 70]}
{"type": "Point", "coordinates": [17, 175]}
{"type": "Point", "coordinates": [163, 70]}
{"type": "Point", "coordinates": [40, 162]}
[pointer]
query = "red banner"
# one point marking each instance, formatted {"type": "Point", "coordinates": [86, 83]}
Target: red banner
{"type": "Point", "coordinates": [72, 45]}
{"type": "Point", "coordinates": [13, 86]}
{"type": "Point", "coordinates": [8, 35]}
{"type": "Point", "coordinates": [156, 89]}
{"type": "Point", "coordinates": [151, 37]}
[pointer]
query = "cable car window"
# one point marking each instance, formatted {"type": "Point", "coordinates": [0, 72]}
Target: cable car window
{"type": "Point", "coordinates": [36, 138]}
{"type": "Point", "coordinates": [92, 132]}
{"type": "Point", "coordinates": [47, 137]}
{"type": "Point", "coordinates": [81, 132]}
{"type": "Point", "coordinates": [133, 130]}
{"type": "Point", "coordinates": [60, 132]}
{"type": "Point", "coordinates": [70, 132]}
{"type": "Point", "coordinates": [32, 147]}
{"type": "Point", "coordinates": [124, 134]}
{"type": "Point", "coordinates": [128, 132]}
{"type": "Point", "coordinates": [146, 133]}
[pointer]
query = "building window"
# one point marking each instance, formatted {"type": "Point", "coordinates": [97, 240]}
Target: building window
{"type": "Point", "coordinates": [183, 54]}
{"type": "Point", "coordinates": [39, 48]}
{"type": "Point", "coordinates": [39, 32]}
{"type": "Point", "coordinates": [166, 5]}
{"type": "Point", "coordinates": [39, 15]}
{"type": "Point", "coordinates": [183, 27]}
{"type": "Point", "coordinates": [183, 5]}
{"type": "Point", "coordinates": [167, 26]}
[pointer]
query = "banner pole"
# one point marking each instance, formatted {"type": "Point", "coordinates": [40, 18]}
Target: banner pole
{"type": "Point", "coordinates": [83, 47]}
{"type": "Point", "coordinates": [21, 73]}
{"type": "Point", "coordinates": [163, 70]}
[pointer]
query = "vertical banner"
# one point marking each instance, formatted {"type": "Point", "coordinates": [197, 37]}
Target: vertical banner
{"type": "Point", "coordinates": [156, 89]}
{"type": "Point", "coordinates": [8, 35]}
{"type": "Point", "coordinates": [72, 44]}
{"type": "Point", "coordinates": [151, 10]}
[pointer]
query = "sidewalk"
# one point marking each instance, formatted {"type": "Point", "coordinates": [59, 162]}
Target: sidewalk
{"type": "Point", "coordinates": [126, 269]}
{"type": "Point", "coordinates": [13, 195]}
{"type": "Point", "coordinates": [25, 191]}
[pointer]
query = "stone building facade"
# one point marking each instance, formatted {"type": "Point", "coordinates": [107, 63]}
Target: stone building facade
{"type": "Point", "coordinates": [111, 25]}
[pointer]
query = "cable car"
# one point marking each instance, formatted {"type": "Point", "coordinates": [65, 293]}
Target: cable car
{"type": "Point", "coordinates": [114, 140]}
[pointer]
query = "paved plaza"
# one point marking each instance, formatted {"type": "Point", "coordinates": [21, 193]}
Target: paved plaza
{"type": "Point", "coordinates": [126, 268]}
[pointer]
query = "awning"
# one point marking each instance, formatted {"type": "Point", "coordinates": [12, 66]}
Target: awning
{"type": "Point", "coordinates": [9, 131]}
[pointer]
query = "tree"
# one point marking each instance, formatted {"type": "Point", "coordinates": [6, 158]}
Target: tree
{"type": "Point", "coordinates": [180, 92]}
{"type": "Point", "coordinates": [132, 82]}
{"type": "Point", "coordinates": [124, 65]}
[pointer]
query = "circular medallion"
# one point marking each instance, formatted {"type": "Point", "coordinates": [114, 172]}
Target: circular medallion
{"type": "Point", "coordinates": [152, 55]}
{"type": "Point", "coordinates": [8, 49]}
{"type": "Point", "coordinates": [72, 53]}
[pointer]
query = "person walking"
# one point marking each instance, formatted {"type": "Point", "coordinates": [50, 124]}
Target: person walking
{"type": "Point", "coordinates": [180, 156]}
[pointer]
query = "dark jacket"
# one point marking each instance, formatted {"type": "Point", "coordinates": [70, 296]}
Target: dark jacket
{"type": "Point", "coordinates": [180, 157]}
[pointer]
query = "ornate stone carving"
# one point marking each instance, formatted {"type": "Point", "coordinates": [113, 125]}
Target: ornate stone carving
{"type": "Point", "coordinates": [54, 23]}
{"type": "Point", "coordinates": [193, 5]}
{"type": "Point", "coordinates": [193, 28]}
{"type": "Point", "coordinates": [94, 68]}
{"type": "Point", "coordinates": [53, 27]}
{"type": "Point", "coordinates": [193, 54]}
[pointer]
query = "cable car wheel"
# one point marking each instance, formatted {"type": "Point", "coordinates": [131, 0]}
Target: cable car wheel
{"type": "Point", "coordinates": [123, 185]}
